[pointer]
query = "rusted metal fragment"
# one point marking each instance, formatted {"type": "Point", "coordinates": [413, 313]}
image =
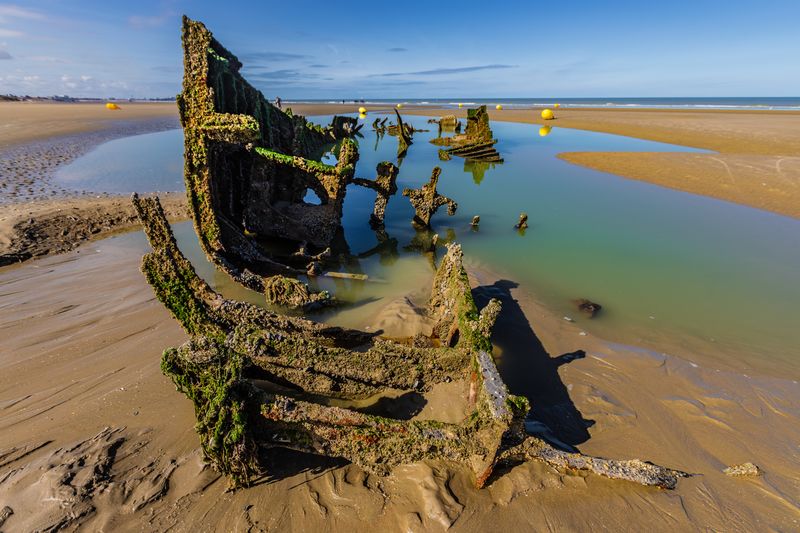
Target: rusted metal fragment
{"type": "Point", "coordinates": [385, 185]}
{"type": "Point", "coordinates": [426, 200]}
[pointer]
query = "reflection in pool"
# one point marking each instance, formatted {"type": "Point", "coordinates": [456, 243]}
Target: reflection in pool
{"type": "Point", "coordinates": [661, 262]}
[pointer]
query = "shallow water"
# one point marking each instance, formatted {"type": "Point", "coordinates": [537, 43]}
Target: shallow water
{"type": "Point", "coordinates": [704, 274]}
{"type": "Point", "coordinates": [139, 163]}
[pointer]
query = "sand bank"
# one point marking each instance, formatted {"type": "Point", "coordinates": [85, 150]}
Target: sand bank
{"type": "Point", "coordinates": [35, 229]}
{"type": "Point", "coordinates": [22, 122]}
{"type": "Point", "coordinates": [82, 342]}
{"type": "Point", "coordinates": [38, 217]}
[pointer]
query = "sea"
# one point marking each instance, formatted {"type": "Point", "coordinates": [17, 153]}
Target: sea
{"type": "Point", "coordinates": [765, 103]}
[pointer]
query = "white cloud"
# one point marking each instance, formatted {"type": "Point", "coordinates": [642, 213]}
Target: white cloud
{"type": "Point", "coordinates": [8, 11]}
{"type": "Point", "coordinates": [45, 59]}
{"type": "Point", "coordinates": [85, 78]}
{"type": "Point", "coordinates": [10, 33]}
{"type": "Point", "coordinates": [149, 21]}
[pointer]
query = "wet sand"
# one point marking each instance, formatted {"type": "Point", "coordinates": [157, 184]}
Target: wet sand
{"type": "Point", "coordinates": [83, 336]}
{"type": "Point", "coordinates": [23, 122]}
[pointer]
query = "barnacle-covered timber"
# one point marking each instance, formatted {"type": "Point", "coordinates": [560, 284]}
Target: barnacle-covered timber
{"type": "Point", "coordinates": [249, 165]}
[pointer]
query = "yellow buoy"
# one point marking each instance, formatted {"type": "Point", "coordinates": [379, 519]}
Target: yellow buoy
{"type": "Point", "coordinates": [547, 114]}
{"type": "Point", "coordinates": [498, 107]}
{"type": "Point", "coordinates": [362, 116]}
{"type": "Point", "coordinates": [362, 110]}
{"type": "Point", "coordinates": [111, 105]}
{"type": "Point", "coordinates": [460, 105]}
{"type": "Point", "coordinates": [544, 131]}
{"type": "Point", "coordinates": [556, 105]}
{"type": "Point", "coordinates": [399, 106]}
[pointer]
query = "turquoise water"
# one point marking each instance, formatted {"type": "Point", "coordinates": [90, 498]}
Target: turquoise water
{"type": "Point", "coordinates": [704, 274]}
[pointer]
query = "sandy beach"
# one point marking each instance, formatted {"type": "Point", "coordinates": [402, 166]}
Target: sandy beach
{"type": "Point", "coordinates": [94, 436]}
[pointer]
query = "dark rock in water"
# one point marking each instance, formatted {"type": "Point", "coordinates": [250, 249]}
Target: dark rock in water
{"type": "Point", "coordinates": [523, 221]}
{"type": "Point", "coordinates": [476, 220]}
{"type": "Point", "coordinates": [587, 306]}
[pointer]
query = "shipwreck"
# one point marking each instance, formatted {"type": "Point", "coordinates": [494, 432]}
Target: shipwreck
{"type": "Point", "coordinates": [261, 380]}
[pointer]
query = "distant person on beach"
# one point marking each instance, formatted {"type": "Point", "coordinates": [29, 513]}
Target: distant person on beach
{"type": "Point", "coordinates": [278, 102]}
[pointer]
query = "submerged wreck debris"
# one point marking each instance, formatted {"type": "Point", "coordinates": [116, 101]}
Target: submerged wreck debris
{"type": "Point", "coordinates": [476, 143]}
{"type": "Point", "coordinates": [522, 223]}
{"type": "Point", "coordinates": [294, 294]}
{"type": "Point", "coordinates": [385, 185]}
{"type": "Point", "coordinates": [257, 380]}
{"type": "Point", "coordinates": [380, 125]}
{"type": "Point", "coordinates": [588, 307]}
{"type": "Point", "coordinates": [447, 123]}
{"type": "Point", "coordinates": [404, 132]}
{"type": "Point", "coordinates": [426, 200]}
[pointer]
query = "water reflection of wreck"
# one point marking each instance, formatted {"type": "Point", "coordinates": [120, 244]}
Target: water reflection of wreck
{"type": "Point", "coordinates": [259, 380]}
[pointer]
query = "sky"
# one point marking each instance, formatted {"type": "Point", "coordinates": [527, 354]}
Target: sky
{"type": "Point", "coordinates": [377, 49]}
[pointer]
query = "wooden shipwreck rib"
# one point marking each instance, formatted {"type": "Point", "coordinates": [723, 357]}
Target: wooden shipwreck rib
{"type": "Point", "coordinates": [475, 144]}
{"type": "Point", "coordinates": [249, 165]}
{"type": "Point", "coordinates": [260, 380]}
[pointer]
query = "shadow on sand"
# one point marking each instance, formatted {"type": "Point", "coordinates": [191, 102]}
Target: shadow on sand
{"type": "Point", "coordinates": [528, 370]}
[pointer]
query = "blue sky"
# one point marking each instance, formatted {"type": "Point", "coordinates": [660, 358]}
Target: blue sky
{"type": "Point", "coordinates": [375, 49]}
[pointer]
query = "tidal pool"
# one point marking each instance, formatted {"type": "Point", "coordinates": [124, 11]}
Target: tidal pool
{"type": "Point", "coordinates": [705, 275]}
